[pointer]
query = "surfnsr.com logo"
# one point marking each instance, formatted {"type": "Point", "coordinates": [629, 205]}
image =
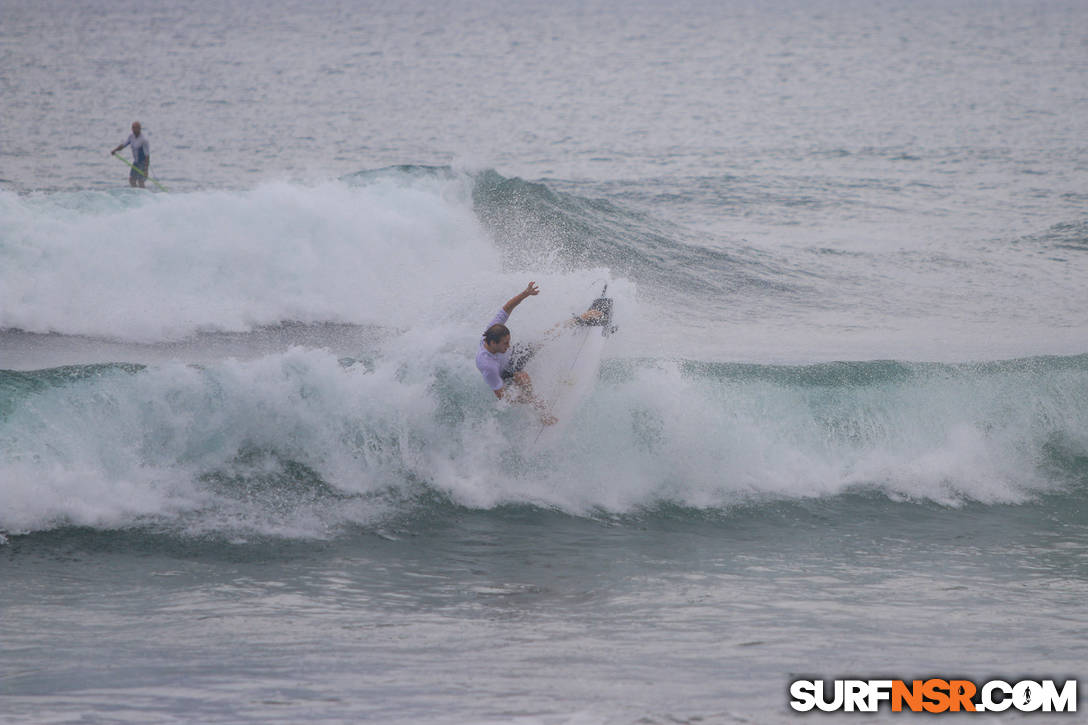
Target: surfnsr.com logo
{"type": "Point", "coordinates": [933, 695]}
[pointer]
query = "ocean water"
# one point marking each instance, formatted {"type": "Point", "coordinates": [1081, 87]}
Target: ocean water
{"type": "Point", "coordinates": [249, 474]}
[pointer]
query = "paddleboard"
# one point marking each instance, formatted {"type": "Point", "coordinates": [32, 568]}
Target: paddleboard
{"type": "Point", "coordinates": [564, 368]}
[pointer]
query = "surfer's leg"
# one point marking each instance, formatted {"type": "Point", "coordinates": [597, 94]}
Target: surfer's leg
{"type": "Point", "coordinates": [520, 355]}
{"type": "Point", "coordinates": [521, 391]}
{"type": "Point", "coordinates": [524, 384]}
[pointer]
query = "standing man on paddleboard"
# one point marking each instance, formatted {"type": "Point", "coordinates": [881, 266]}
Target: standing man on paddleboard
{"type": "Point", "coordinates": [498, 364]}
{"type": "Point", "coordinates": [141, 156]}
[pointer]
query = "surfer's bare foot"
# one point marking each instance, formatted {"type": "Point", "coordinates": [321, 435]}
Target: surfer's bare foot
{"type": "Point", "coordinates": [590, 316]}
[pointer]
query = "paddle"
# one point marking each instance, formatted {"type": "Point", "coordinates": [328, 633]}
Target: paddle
{"type": "Point", "coordinates": [141, 171]}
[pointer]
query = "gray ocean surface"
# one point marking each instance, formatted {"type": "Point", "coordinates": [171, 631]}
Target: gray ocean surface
{"type": "Point", "coordinates": [249, 474]}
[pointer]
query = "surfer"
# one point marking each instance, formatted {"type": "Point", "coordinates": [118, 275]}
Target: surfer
{"type": "Point", "coordinates": [500, 365]}
{"type": "Point", "coordinates": [141, 156]}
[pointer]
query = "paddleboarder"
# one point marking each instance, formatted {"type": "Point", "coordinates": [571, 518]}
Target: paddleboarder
{"type": "Point", "coordinates": [141, 156]}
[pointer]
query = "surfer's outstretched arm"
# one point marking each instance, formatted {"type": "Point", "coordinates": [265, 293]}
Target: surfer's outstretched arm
{"type": "Point", "coordinates": [517, 299]}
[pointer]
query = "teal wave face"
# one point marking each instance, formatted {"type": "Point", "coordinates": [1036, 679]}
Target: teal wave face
{"type": "Point", "coordinates": [16, 387]}
{"type": "Point", "coordinates": [1035, 408]}
{"type": "Point", "coordinates": [537, 226]}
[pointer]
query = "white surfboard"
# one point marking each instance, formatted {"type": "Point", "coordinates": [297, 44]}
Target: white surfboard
{"type": "Point", "coordinates": [564, 369]}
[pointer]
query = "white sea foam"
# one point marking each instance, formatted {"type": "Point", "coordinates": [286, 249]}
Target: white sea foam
{"type": "Point", "coordinates": [300, 442]}
{"type": "Point", "coordinates": [156, 267]}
